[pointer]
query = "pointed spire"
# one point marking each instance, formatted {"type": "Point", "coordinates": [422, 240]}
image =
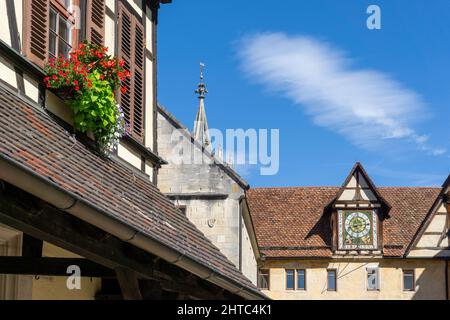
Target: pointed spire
{"type": "Point", "coordinates": [219, 153]}
{"type": "Point", "coordinates": [230, 160]}
{"type": "Point", "coordinates": [200, 131]}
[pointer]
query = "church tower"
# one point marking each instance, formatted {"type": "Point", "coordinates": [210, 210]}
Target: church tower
{"type": "Point", "coordinates": [200, 132]}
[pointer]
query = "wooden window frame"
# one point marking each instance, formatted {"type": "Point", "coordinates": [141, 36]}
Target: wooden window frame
{"type": "Point", "coordinates": [335, 280]}
{"type": "Point", "coordinates": [412, 271]}
{"type": "Point", "coordinates": [286, 277]}
{"type": "Point", "coordinates": [296, 280]}
{"type": "Point", "coordinates": [61, 10]}
{"type": "Point", "coordinates": [377, 273]}
{"type": "Point", "coordinates": [59, 6]}
{"type": "Point", "coordinates": [260, 272]}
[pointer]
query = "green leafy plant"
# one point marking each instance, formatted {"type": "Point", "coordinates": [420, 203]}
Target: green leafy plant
{"type": "Point", "coordinates": [88, 80]}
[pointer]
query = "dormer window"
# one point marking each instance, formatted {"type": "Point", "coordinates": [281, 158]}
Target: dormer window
{"type": "Point", "coordinates": [358, 212]}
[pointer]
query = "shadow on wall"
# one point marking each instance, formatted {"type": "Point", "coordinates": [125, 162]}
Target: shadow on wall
{"type": "Point", "coordinates": [430, 284]}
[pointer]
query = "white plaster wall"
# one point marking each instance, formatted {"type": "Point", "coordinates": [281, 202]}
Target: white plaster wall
{"type": "Point", "coordinates": [352, 279]}
{"type": "Point", "coordinates": [348, 194]}
{"type": "Point", "coordinates": [31, 88]}
{"type": "Point", "coordinates": [249, 264]}
{"type": "Point", "coordinates": [4, 26]}
{"type": "Point", "coordinates": [128, 154]}
{"type": "Point", "coordinates": [7, 72]}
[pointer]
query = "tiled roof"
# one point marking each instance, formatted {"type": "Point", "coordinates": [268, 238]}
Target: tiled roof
{"type": "Point", "coordinates": [32, 138]}
{"type": "Point", "coordinates": [293, 222]}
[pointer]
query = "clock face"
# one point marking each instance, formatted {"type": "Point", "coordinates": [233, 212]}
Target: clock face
{"type": "Point", "coordinates": [357, 229]}
{"type": "Point", "coordinates": [357, 224]}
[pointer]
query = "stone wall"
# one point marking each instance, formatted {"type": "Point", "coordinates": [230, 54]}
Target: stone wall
{"type": "Point", "coordinates": [213, 202]}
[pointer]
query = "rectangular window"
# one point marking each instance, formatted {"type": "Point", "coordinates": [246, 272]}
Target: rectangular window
{"type": "Point", "coordinates": [263, 279]}
{"type": "Point", "coordinates": [372, 279]}
{"type": "Point", "coordinates": [290, 279]}
{"type": "Point", "coordinates": [408, 280]}
{"type": "Point", "coordinates": [301, 279]}
{"type": "Point", "coordinates": [60, 42]}
{"type": "Point", "coordinates": [331, 280]}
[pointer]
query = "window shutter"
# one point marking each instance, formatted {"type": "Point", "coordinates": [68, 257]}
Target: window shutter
{"type": "Point", "coordinates": [138, 81]}
{"type": "Point", "coordinates": [95, 21]}
{"type": "Point", "coordinates": [124, 30]}
{"type": "Point", "coordinates": [132, 51]}
{"type": "Point", "coordinates": [36, 29]}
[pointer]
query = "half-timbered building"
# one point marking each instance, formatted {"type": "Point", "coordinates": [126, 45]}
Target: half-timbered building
{"type": "Point", "coordinates": [359, 241]}
{"type": "Point", "coordinates": [76, 223]}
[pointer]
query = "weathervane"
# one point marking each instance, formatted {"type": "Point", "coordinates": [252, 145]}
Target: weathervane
{"type": "Point", "coordinates": [201, 90]}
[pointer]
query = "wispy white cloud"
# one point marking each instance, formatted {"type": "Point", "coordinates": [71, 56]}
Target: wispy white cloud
{"type": "Point", "coordinates": [366, 106]}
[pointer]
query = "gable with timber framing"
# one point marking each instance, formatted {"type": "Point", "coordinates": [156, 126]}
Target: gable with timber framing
{"type": "Point", "coordinates": [358, 211]}
{"type": "Point", "coordinates": [433, 237]}
{"type": "Point", "coordinates": [359, 191]}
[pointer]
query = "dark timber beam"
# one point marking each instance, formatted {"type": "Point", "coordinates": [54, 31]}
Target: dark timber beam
{"type": "Point", "coordinates": [31, 247]}
{"type": "Point", "coordinates": [52, 266]}
{"type": "Point", "coordinates": [129, 284]}
{"type": "Point", "coordinates": [150, 289]}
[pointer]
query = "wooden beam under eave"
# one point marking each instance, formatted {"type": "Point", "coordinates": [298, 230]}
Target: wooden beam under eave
{"type": "Point", "coordinates": [129, 284]}
{"type": "Point", "coordinates": [31, 247]}
{"type": "Point", "coordinates": [45, 266]}
{"type": "Point", "coordinates": [150, 289]}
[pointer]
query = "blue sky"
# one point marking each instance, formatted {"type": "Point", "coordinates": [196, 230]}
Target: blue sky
{"type": "Point", "coordinates": [337, 91]}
